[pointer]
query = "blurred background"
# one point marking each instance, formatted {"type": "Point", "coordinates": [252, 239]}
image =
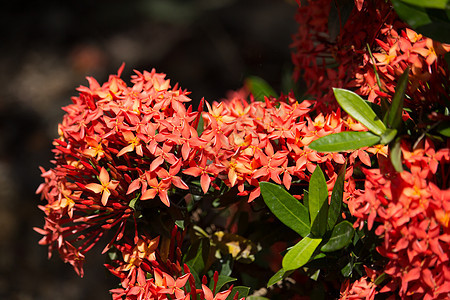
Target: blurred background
{"type": "Point", "coordinates": [48, 48]}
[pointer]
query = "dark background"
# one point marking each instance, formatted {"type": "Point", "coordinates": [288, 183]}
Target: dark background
{"type": "Point", "coordinates": [47, 49]}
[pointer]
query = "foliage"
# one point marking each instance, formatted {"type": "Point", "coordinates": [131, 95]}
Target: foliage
{"type": "Point", "coordinates": [265, 196]}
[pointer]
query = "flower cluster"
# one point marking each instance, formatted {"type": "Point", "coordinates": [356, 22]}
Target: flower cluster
{"type": "Point", "coordinates": [117, 145]}
{"type": "Point", "coordinates": [411, 213]}
{"type": "Point", "coordinates": [396, 50]}
{"type": "Point", "coordinates": [145, 275]}
{"type": "Point", "coordinates": [262, 141]}
{"type": "Point", "coordinates": [344, 59]}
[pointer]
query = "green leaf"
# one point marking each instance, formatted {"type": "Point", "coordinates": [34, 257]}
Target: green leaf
{"type": "Point", "coordinates": [200, 126]}
{"type": "Point", "coordinates": [341, 236]}
{"type": "Point", "coordinates": [259, 88]}
{"type": "Point", "coordinates": [221, 282]}
{"type": "Point", "coordinates": [430, 18]}
{"type": "Point", "coordinates": [344, 141]}
{"type": "Point", "coordinates": [286, 208]}
{"type": "Point", "coordinates": [180, 224]}
{"type": "Point", "coordinates": [278, 276]}
{"type": "Point", "coordinates": [437, 30]}
{"type": "Point", "coordinates": [413, 15]}
{"type": "Point", "coordinates": [300, 254]}
{"type": "Point", "coordinates": [318, 202]}
{"type": "Point", "coordinates": [334, 211]}
{"type": "Point", "coordinates": [319, 225]}
{"type": "Point", "coordinates": [242, 290]}
{"type": "Point", "coordinates": [306, 199]}
{"type": "Point", "coordinates": [347, 270]}
{"type": "Point", "coordinates": [395, 154]}
{"type": "Point", "coordinates": [428, 3]}
{"type": "Point", "coordinates": [394, 115]}
{"type": "Point", "coordinates": [444, 128]}
{"type": "Point", "coordinates": [379, 280]}
{"type": "Point", "coordinates": [388, 136]}
{"type": "Point", "coordinates": [256, 298]}
{"type": "Point", "coordinates": [197, 255]}
{"type": "Point", "coordinates": [357, 108]}
{"type": "Point", "coordinates": [133, 202]}
{"type": "Point", "coordinates": [376, 108]}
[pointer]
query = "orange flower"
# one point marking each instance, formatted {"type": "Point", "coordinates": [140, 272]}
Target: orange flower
{"type": "Point", "coordinates": [105, 187]}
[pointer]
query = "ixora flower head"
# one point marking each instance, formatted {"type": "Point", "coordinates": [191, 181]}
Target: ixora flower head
{"type": "Point", "coordinates": [117, 144]}
{"type": "Point", "coordinates": [411, 213]}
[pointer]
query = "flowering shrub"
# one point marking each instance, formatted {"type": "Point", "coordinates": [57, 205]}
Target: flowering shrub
{"type": "Point", "coordinates": [188, 202]}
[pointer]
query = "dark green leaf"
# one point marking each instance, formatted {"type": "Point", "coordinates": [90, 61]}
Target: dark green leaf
{"type": "Point", "coordinates": [319, 225]}
{"type": "Point", "coordinates": [200, 125]}
{"type": "Point", "coordinates": [256, 298]}
{"type": "Point", "coordinates": [347, 270]}
{"type": "Point", "coordinates": [395, 154]}
{"type": "Point", "coordinates": [242, 290]}
{"type": "Point", "coordinates": [379, 280]}
{"type": "Point", "coordinates": [286, 208]}
{"type": "Point", "coordinates": [428, 3]}
{"type": "Point", "coordinates": [221, 282]}
{"type": "Point", "coordinates": [300, 254]}
{"type": "Point", "coordinates": [197, 256]}
{"type": "Point", "coordinates": [388, 136]}
{"type": "Point", "coordinates": [444, 129]}
{"type": "Point", "coordinates": [355, 106]}
{"type": "Point", "coordinates": [376, 108]}
{"type": "Point", "coordinates": [394, 115]}
{"type": "Point", "coordinates": [278, 276]}
{"type": "Point", "coordinates": [343, 141]}
{"type": "Point", "coordinates": [318, 202]}
{"type": "Point", "coordinates": [341, 236]}
{"type": "Point", "coordinates": [259, 88]}
{"type": "Point", "coordinates": [413, 15]}
{"type": "Point", "coordinates": [437, 30]}
{"type": "Point", "coordinates": [430, 18]}
{"type": "Point", "coordinates": [334, 211]}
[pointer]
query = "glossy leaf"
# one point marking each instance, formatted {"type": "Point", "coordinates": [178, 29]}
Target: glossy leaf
{"type": "Point", "coordinates": [222, 280]}
{"type": "Point", "coordinates": [286, 208]}
{"type": "Point", "coordinates": [343, 141]}
{"type": "Point", "coordinates": [318, 202]}
{"type": "Point", "coordinates": [444, 129]}
{"type": "Point", "coordinates": [341, 236]}
{"type": "Point", "coordinates": [430, 18]}
{"type": "Point", "coordinates": [437, 30]}
{"type": "Point", "coordinates": [242, 290]}
{"type": "Point", "coordinates": [197, 256]}
{"type": "Point", "coordinates": [357, 108]}
{"type": "Point", "coordinates": [334, 211]}
{"type": "Point", "coordinates": [395, 154]}
{"type": "Point", "coordinates": [259, 88]}
{"type": "Point", "coordinates": [278, 276]}
{"type": "Point", "coordinates": [388, 136]}
{"type": "Point", "coordinates": [413, 15]}
{"type": "Point", "coordinates": [394, 115]}
{"type": "Point", "coordinates": [319, 225]}
{"type": "Point", "coordinates": [300, 254]}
